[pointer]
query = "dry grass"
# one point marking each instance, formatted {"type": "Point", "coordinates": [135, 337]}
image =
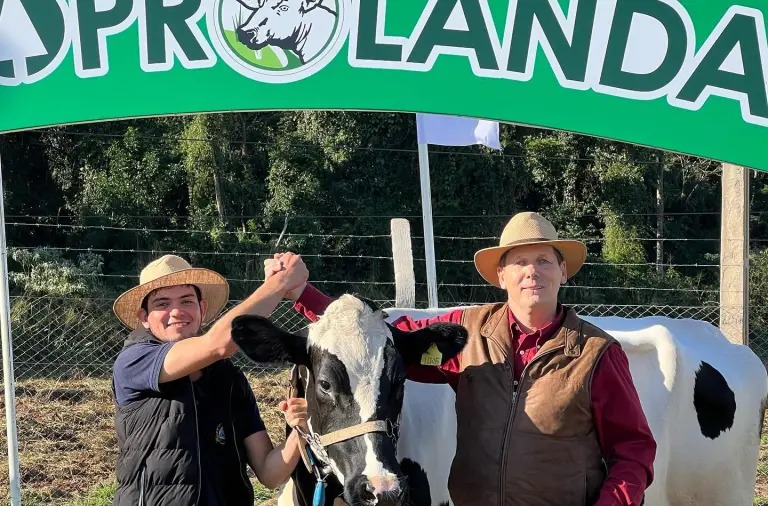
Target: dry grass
{"type": "Point", "coordinates": [67, 440]}
{"type": "Point", "coordinates": [761, 487]}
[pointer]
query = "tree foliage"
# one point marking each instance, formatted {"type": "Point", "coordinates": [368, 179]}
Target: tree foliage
{"type": "Point", "coordinates": [230, 180]}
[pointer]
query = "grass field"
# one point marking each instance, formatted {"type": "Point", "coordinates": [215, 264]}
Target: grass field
{"type": "Point", "coordinates": [68, 445]}
{"type": "Point", "coordinates": [67, 441]}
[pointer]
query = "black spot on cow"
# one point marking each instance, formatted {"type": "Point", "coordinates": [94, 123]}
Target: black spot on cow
{"type": "Point", "coordinates": [714, 401]}
{"type": "Point", "coordinates": [418, 483]}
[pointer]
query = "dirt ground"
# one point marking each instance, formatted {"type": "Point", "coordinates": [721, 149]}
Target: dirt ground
{"type": "Point", "coordinates": [67, 442]}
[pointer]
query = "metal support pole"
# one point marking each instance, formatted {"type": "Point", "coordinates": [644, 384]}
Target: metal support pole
{"type": "Point", "coordinates": [8, 381]}
{"type": "Point", "coordinates": [429, 240]}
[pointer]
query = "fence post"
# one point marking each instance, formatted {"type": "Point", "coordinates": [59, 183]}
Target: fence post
{"type": "Point", "coordinates": [734, 254]}
{"type": "Point", "coordinates": [9, 385]}
{"type": "Point", "coordinates": [402, 258]}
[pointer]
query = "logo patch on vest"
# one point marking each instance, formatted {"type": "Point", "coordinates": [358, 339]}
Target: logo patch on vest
{"type": "Point", "coordinates": [221, 437]}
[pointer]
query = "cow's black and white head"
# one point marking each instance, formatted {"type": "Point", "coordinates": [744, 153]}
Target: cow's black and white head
{"type": "Point", "coordinates": [357, 364]}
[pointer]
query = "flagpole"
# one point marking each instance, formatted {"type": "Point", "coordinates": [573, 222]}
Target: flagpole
{"type": "Point", "coordinates": [426, 211]}
{"type": "Point", "coordinates": [446, 131]}
{"type": "Point", "coordinates": [8, 380]}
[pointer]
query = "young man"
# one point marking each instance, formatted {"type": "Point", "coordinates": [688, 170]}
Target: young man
{"type": "Point", "coordinates": [186, 419]}
{"type": "Point", "coordinates": [546, 408]}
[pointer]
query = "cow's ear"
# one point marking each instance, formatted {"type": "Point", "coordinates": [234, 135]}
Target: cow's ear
{"type": "Point", "coordinates": [261, 341]}
{"type": "Point", "coordinates": [448, 338]}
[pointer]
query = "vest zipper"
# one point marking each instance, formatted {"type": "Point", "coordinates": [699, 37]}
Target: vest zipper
{"type": "Point", "coordinates": [197, 433]}
{"type": "Point", "coordinates": [234, 438]}
{"type": "Point", "coordinates": [512, 413]}
{"type": "Point", "coordinates": [141, 486]}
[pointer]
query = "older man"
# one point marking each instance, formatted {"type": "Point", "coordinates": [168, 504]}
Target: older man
{"type": "Point", "coordinates": [186, 418]}
{"type": "Point", "coordinates": [546, 408]}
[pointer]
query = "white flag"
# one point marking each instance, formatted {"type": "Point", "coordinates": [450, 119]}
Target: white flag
{"type": "Point", "coordinates": [456, 131]}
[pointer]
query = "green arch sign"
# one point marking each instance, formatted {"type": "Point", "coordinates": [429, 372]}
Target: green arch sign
{"type": "Point", "coordinates": [682, 75]}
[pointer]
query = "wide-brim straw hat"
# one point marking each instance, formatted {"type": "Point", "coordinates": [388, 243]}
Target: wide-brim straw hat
{"type": "Point", "coordinates": [171, 270]}
{"type": "Point", "coordinates": [529, 228]}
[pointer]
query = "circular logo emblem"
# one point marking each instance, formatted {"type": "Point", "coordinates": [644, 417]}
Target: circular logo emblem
{"type": "Point", "coordinates": [221, 436]}
{"type": "Point", "coordinates": [278, 41]}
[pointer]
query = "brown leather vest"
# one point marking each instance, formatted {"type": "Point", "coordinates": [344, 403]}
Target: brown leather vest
{"type": "Point", "coordinates": [532, 444]}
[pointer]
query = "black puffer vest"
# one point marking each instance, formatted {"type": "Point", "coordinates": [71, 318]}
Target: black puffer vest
{"type": "Point", "coordinates": [159, 441]}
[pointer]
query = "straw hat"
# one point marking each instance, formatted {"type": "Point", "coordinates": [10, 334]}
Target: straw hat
{"type": "Point", "coordinates": [523, 229]}
{"type": "Point", "coordinates": [171, 270]}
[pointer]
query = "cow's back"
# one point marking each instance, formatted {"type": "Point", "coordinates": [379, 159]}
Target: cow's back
{"type": "Point", "coordinates": [704, 398]}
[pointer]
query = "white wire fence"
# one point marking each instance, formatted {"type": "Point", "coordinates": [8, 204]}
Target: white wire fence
{"type": "Point", "coordinates": [84, 338]}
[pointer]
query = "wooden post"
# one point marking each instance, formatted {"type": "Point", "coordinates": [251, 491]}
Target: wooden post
{"type": "Point", "coordinates": [734, 254]}
{"type": "Point", "coordinates": [660, 216]}
{"type": "Point", "coordinates": [402, 258]}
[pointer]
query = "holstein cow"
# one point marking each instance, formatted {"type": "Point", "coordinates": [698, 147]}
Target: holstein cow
{"type": "Point", "coordinates": [301, 26]}
{"type": "Point", "coordinates": [357, 365]}
{"type": "Point", "coordinates": [704, 398]}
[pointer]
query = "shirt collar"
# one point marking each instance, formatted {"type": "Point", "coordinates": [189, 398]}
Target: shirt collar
{"type": "Point", "coordinates": [545, 332]}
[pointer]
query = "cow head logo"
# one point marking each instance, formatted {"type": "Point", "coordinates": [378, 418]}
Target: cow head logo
{"type": "Point", "coordinates": [278, 41]}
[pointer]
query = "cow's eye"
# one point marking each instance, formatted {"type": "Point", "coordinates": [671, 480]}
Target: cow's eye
{"type": "Point", "coordinates": [324, 385]}
{"type": "Point", "coordinates": [283, 8]}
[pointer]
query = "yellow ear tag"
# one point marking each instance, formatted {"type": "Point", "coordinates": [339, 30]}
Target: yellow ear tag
{"type": "Point", "coordinates": [432, 356]}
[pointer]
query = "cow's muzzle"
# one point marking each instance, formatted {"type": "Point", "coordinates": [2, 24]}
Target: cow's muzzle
{"type": "Point", "coordinates": [386, 490]}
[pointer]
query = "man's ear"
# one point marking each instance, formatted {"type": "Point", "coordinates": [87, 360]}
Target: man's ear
{"type": "Point", "coordinates": [142, 316]}
{"type": "Point", "coordinates": [449, 338]}
{"type": "Point", "coordinates": [261, 341]}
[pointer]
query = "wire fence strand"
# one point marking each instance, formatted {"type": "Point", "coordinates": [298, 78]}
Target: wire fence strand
{"type": "Point", "coordinates": [64, 346]}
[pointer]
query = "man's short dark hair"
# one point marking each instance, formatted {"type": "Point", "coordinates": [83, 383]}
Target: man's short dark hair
{"type": "Point", "coordinates": [145, 302]}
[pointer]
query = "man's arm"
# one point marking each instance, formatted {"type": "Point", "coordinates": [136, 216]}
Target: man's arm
{"type": "Point", "coordinates": [271, 465]}
{"type": "Point", "coordinates": [312, 303]}
{"type": "Point", "coordinates": [193, 354]}
{"type": "Point", "coordinates": [625, 437]}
